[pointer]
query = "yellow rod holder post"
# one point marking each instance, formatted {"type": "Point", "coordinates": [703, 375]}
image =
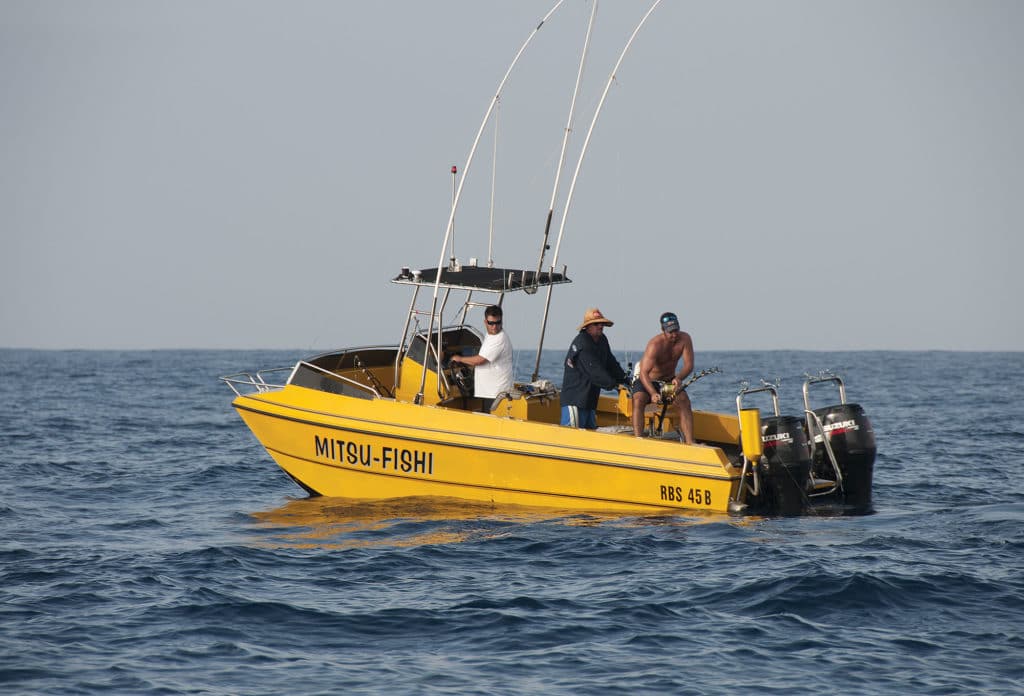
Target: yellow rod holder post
{"type": "Point", "coordinates": [750, 433]}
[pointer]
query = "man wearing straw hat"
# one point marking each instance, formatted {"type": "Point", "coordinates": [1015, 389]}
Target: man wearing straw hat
{"type": "Point", "coordinates": [589, 368]}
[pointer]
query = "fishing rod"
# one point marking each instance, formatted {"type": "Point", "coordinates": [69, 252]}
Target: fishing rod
{"type": "Point", "coordinates": [669, 391]}
{"type": "Point", "coordinates": [554, 189]}
{"type": "Point", "coordinates": [703, 373]}
{"type": "Point", "coordinates": [462, 182]}
{"type": "Point", "coordinates": [494, 182]}
{"type": "Point", "coordinates": [579, 162]}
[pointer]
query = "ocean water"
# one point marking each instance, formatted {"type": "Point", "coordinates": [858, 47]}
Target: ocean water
{"type": "Point", "coordinates": [148, 545]}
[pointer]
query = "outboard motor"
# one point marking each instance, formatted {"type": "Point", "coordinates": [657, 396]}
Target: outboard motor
{"type": "Point", "coordinates": [787, 460]}
{"type": "Point", "coordinates": [843, 429]}
{"type": "Point", "coordinates": [785, 466]}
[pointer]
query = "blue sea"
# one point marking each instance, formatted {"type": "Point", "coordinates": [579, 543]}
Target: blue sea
{"type": "Point", "coordinates": [148, 545]}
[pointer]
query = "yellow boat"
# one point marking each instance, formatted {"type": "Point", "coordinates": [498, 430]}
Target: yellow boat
{"type": "Point", "coordinates": [385, 422]}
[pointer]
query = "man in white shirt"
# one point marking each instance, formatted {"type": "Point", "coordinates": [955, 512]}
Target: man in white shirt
{"type": "Point", "coordinates": [492, 365]}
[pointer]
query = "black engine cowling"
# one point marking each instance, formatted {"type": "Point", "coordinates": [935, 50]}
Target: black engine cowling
{"type": "Point", "coordinates": [852, 439]}
{"type": "Point", "coordinates": [787, 464]}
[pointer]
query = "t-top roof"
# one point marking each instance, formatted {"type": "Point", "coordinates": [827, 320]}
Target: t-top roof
{"type": "Point", "coordinates": [480, 278]}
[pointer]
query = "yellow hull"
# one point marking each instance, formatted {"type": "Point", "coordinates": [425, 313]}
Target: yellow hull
{"type": "Point", "coordinates": [381, 448]}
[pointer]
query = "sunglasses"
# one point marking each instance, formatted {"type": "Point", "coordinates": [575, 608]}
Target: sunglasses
{"type": "Point", "coordinates": [493, 323]}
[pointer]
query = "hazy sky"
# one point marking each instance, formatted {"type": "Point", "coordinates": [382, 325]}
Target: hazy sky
{"type": "Point", "coordinates": [803, 174]}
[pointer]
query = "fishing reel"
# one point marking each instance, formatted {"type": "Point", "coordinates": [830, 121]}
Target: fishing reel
{"type": "Point", "coordinates": [667, 393]}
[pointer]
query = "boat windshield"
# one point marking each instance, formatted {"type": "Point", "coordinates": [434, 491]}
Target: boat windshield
{"type": "Point", "coordinates": [453, 340]}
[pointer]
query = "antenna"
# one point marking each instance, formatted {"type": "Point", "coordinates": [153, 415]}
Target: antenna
{"type": "Point", "coordinates": [455, 172]}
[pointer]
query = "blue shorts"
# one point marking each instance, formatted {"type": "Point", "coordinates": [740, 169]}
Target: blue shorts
{"type": "Point", "coordinates": [576, 417]}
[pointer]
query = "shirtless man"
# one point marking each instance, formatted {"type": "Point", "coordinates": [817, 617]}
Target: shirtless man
{"type": "Point", "coordinates": [658, 366]}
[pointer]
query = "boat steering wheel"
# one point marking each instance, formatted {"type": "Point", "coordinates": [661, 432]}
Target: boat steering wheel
{"type": "Point", "coordinates": [461, 376]}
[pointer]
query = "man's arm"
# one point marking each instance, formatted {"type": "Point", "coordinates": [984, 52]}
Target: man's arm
{"type": "Point", "coordinates": [616, 369]}
{"type": "Point", "coordinates": [687, 360]}
{"type": "Point", "coordinates": [647, 363]}
{"type": "Point", "coordinates": [592, 363]}
{"type": "Point", "coordinates": [471, 360]}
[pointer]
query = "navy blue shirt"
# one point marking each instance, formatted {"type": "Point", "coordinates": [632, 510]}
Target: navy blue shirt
{"type": "Point", "coordinates": [589, 368]}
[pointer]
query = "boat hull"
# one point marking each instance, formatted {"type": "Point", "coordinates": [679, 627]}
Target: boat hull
{"type": "Point", "coordinates": [338, 445]}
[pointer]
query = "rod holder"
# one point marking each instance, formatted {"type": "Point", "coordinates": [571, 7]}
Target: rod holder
{"type": "Point", "coordinates": [750, 433]}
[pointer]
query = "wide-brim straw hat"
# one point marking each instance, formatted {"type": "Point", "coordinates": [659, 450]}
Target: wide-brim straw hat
{"type": "Point", "coordinates": [594, 316]}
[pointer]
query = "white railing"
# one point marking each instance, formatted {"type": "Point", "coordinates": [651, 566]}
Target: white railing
{"type": "Point", "coordinates": [243, 383]}
{"type": "Point", "coordinates": [248, 383]}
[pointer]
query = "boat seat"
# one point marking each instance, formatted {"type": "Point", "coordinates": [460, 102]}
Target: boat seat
{"type": "Point", "coordinates": [817, 484]}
